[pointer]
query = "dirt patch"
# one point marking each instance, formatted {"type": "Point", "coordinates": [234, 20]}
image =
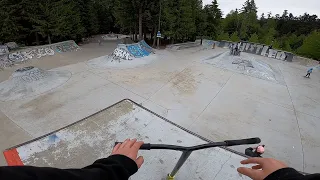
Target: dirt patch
{"type": "Point", "coordinates": [185, 82]}
{"type": "Point", "coordinates": [43, 104]}
{"type": "Point", "coordinates": [114, 113]}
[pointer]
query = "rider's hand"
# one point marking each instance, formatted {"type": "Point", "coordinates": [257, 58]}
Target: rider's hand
{"type": "Point", "coordinates": [263, 168]}
{"type": "Point", "coordinates": [130, 149]}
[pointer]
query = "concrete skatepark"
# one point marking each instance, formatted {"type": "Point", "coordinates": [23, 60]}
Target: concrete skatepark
{"type": "Point", "coordinates": [195, 88]}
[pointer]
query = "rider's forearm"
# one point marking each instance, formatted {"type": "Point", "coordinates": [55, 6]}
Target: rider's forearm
{"type": "Point", "coordinates": [291, 174]}
{"type": "Point", "coordinates": [115, 167]}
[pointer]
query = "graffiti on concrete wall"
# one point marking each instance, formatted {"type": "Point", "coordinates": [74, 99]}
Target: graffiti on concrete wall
{"type": "Point", "coordinates": [66, 47]}
{"type": "Point", "coordinates": [30, 74]}
{"type": "Point", "coordinates": [21, 56]}
{"type": "Point", "coordinates": [145, 46]}
{"type": "Point", "coordinates": [267, 51]}
{"type": "Point", "coordinates": [261, 49]}
{"type": "Point", "coordinates": [110, 37]}
{"type": "Point", "coordinates": [137, 51]}
{"type": "Point", "coordinates": [209, 43]}
{"type": "Point", "coordinates": [121, 54]}
{"type": "Point", "coordinates": [3, 49]}
{"type": "Point", "coordinates": [5, 61]}
{"type": "Point", "coordinates": [12, 45]}
{"type": "Point", "coordinates": [9, 59]}
{"type": "Point", "coordinates": [242, 63]}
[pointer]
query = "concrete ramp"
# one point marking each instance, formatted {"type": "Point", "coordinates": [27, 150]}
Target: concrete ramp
{"type": "Point", "coordinates": [208, 43]}
{"type": "Point", "coordinates": [137, 50]}
{"type": "Point", "coordinates": [146, 46]}
{"type": "Point", "coordinates": [248, 65]}
{"type": "Point", "coordinates": [182, 46]}
{"type": "Point", "coordinates": [31, 81]}
{"type": "Point", "coordinates": [126, 56]}
{"type": "Point", "coordinates": [23, 55]}
{"type": "Point", "coordinates": [93, 137]}
{"type": "Point", "coordinates": [111, 37]}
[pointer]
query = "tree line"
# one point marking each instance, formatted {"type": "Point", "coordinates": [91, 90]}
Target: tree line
{"type": "Point", "coordinates": [34, 22]}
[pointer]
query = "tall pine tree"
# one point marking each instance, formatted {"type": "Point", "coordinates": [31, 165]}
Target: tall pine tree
{"type": "Point", "coordinates": [213, 15]}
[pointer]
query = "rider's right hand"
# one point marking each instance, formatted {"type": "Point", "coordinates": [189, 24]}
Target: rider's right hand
{"type": "Point", "coordinates": [263, 168]}
{"type": "Point", "coordinates": [130, 149]}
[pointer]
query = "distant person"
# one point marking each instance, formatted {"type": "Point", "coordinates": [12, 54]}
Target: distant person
{"type": "Point", "coordinates": [239, 45]}
{"type": "Point", "coordinates": [255, 152]}
{"type": "Point", "coordinates": [309, 72]}
{"type": "Point", "coordinates": [237, 51]}
{"type": "Point", "coordinates": [231, 48]}
{"type": "Point", "coordinates": [234, 49]}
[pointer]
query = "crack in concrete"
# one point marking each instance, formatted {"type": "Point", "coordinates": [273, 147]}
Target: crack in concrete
{"type": "Point", "coordinates": [222, 166]}
{"type": "Point", "coordinates": [295, 113]}
{"type": "Point", "coordinates": [212, 100]}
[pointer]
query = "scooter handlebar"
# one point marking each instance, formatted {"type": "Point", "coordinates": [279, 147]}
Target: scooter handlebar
{"type": "Point", "coordinates": [149, 146]}
{"type": "Point", "coordinates": [243, 141]}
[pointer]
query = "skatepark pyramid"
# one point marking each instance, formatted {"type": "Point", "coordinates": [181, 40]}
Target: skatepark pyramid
{"type": "Point", "coordinates": [128, 51]}
{"type": "Point", "coordinates": [31, 81]}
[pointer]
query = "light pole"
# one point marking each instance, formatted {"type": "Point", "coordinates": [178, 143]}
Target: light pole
{"type": "Point", "coordinates": [158, 43]}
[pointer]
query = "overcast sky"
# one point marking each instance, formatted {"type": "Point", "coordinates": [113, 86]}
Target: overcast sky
{"type": "Point", "coordinates": [296, 7]}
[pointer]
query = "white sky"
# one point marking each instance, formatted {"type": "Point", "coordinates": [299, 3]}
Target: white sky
{"type": "Point", "coordinates": [296, 7]}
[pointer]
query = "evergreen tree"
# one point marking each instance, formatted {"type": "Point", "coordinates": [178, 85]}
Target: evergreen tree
{"type": "Point", "coordinates": [254, 38]}
{"type": "Point", "coordinates": [311, 46]}
{"type": "Point", "coordinates": [89, 16]}
{"type": "Point", "coordinates": [234, 37]}
{"type": "Point", "coordinates": [249, 7]}
{"type": "Point", "coordinates": [170, 18]}
{"type": "Point", "coordinates": [213, 15]}
{"type": "Point", "coordinates": [11, 27]}
{"type": "Point", "coordinates": [187, 27]}
{"type": "Point", "coordinates": [201, 21]}
{"type": "Point", "coordinates": [232, 22]}
{"type": "Point", "coordinates": [105, 16]}
{"type": "Point", "coordinates": [58, 19]}
{"type": "Point", "coordinates": [248, 18]}
{"type": "Point", "coordinates": [223, 36]}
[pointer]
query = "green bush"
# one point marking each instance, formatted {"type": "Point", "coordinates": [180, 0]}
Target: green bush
{"type": "Point", "coordinates": [311, 46]}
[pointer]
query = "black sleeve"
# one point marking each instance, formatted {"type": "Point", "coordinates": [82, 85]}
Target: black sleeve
{"type": "Point", "coordinates": [116, 167]}
{"type": "Point", "coordinates": [291, 174]}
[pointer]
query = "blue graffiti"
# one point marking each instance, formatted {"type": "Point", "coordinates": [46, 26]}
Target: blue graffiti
{"type": "Point", "coordinates": [137, 51]}
{"type": "Point", "coordinates": [210, 43]}
{"type": "Point", "coordinates": [53, 138]}
{"type": "Point", "coordinates": [145, 46]}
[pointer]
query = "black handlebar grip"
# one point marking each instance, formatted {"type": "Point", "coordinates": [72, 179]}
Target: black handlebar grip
{"type": "Point", "coordinates": [146, 146]}
{"type": "Point", "coordinates": [243, 141]}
